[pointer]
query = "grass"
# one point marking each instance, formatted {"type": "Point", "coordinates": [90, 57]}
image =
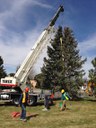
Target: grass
{"type": "Point", "coordinates": [80, 114]}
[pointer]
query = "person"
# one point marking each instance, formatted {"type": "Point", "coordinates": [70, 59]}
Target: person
{"type": "Point", "coordinates": [65, 96]}
{"type": "Point", "coordinates": [46, 103]}
{"type": "Point", "coordinates": [23, 102]}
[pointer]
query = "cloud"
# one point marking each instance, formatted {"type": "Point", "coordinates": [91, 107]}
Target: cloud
{"type": "Point", "coordinates": [87, 66]}
{"type": "Point", "coordinates": [88, 50]}
{"type": "Point", "coordinates": [88, 45]}
{"type": "Point", "coordinates": [37, 3]}
{"type": "Point", "coordinates": [14, 14]}
{"type": "Point", "coordinates": [15, 53]}
{"type": "Point", "coordinates": [17, 37]}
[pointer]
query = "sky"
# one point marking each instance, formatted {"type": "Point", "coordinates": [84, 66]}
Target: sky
{"type": "Point", "coordinates": [22, 22]}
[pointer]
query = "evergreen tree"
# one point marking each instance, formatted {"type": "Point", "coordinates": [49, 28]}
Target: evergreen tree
{"type": "Point", "coordinates": [64, 65]}
{"type": "Point", "coordinates": [73, 62]}
{"type": "Point", "coordinates": [92, 72]}
{"type": "Point", "coordinates": [2, 70]}
{"type": "Point", "coordinates": [51, 67]}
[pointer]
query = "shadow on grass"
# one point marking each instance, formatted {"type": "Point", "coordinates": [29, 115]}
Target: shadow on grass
{"type": "Point", "coordinates": [31, 116]}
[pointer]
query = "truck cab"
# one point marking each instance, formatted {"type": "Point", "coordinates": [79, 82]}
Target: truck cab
{"type": "Point", "coordinates": [8, 82]}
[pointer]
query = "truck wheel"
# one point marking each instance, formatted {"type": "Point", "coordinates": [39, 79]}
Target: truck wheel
{"type": "Point", "coordinates": [16, 101]}
{"type": "Point", "coordinates": [32, 100]}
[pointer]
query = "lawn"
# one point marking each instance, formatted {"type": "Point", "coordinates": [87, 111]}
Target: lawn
{"type": "Point", "coordinates": [80, 114]}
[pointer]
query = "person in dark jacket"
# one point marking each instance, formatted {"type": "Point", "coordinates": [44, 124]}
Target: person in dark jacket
{"type": "Point", "coordinates": [23, 102]}
{"type": "Point", "coordinates": [46, 103]}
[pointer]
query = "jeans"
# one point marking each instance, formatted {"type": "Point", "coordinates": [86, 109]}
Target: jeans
{"type": "Point", "coordinates": [46, 102]}
{"type": "Point", "coordinates": [23, 112]}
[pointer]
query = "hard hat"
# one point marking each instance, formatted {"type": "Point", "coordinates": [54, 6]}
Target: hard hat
{"type": "Point", "coordinates": [62, 91]}
{"type": "Point", "coordinates": [26, 89]}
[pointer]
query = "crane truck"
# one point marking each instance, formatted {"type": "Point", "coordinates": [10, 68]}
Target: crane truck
{"type": "Point", "coordinates": [12, 87]}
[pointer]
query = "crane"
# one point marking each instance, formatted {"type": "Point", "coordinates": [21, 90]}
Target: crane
{"type": "Point", "coordinates": [22, 73]}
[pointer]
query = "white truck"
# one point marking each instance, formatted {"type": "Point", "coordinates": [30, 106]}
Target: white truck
{"type": "Point", "coordinates": [11, 87]}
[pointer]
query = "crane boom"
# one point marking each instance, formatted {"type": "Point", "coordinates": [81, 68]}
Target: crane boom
{"type": "Point", "coordinates": [35, 51]}
{"type": "Point", "coordinates": [23, 72]}
{"type": "Point", "coordinates": [31, 58]}
{"type": "Point", "coordinates": [52, 22]}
